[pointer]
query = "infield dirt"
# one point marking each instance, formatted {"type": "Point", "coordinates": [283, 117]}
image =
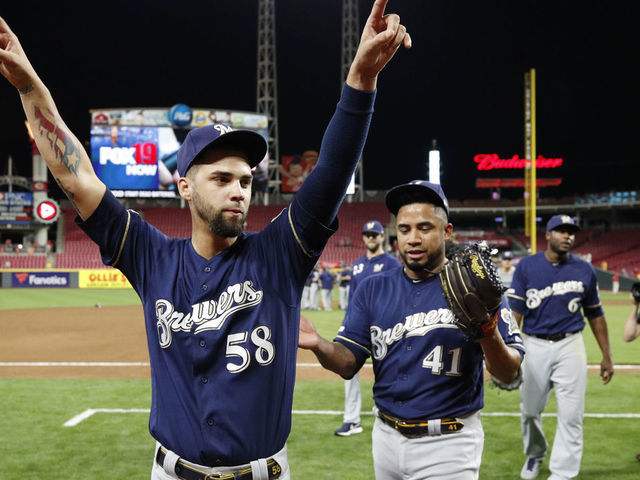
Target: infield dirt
{"type": "Point", "coordinates": [91, 334]}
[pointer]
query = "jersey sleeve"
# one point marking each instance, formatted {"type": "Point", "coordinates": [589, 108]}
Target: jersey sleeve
{"type": "Point", "coordinates": [508, 327]}
{"type": "Point", "coordinates": [124, 238]}
{"type": "Point", "coordinates": [516, 293]}
{"type": "Point", "coordinates": [592, 306]}
{"type": "Point", "coordinates": [354, 331]}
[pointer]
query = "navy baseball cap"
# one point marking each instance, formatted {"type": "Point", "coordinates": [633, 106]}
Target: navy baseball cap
{"type": "Point", "coordinates": [220, 135]}
{"type": "Point", "coordinates": [373, 226]}
{"type": "Point", "coordinates": [416, 191]}
{"type": "Point", "coordinates": [507, 255]}
{"type": "Point", "coordinates": [562, 221]}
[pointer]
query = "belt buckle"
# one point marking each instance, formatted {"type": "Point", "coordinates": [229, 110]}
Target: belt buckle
{"type": "Point", "coordinates": [274, 472]}
{"type": "Point", "coordinates": [408, 427]}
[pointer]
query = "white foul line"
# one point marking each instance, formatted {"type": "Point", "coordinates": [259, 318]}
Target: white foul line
{"type": "Point", "coordinates": [91, 411]}
{"type": "Point", "coordinates": [146, 364]}
{"type": "Point", "coordinates": [74, 364]}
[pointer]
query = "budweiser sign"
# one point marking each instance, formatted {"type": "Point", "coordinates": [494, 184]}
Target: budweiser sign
{"type": "Point", "coordinates": [491, 161]}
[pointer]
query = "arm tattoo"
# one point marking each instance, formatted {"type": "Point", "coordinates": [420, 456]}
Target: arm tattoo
{"type": "Point", "coordinates": [63, 147]}
{"type": "Point", "coordinates": [69, 194]}
{"type": "Point", "coordinates": [27, 89]}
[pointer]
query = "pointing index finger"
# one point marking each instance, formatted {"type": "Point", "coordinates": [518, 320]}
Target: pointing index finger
{"type": "Point", "coordinates": [377, 11]}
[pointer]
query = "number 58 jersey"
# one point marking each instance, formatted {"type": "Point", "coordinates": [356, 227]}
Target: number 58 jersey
{"type": "Point", "coordinates": [222, 332]}
{"type": "Point", "coordinates": [424, 365]}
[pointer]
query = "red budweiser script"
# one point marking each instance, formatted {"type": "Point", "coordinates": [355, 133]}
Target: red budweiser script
{"type": "Point", "coordinates": [491, 161]}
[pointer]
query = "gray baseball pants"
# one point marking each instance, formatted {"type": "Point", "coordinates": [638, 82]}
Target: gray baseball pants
{"type": "Point", "coordinates": [561, 366]}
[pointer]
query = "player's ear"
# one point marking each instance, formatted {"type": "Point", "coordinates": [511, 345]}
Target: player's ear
{"type": "Point", "coordinates": [448, 230]}
{"type": "Point", "coordinates": [184, 188]}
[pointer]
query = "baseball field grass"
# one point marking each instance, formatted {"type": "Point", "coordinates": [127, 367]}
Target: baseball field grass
{"type": "Point", "coordinates": [112, 441]}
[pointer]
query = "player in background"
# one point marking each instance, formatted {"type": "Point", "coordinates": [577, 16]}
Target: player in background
{"type": "Point", "coordinates": [506, 269]}
{"type": "Point", "coordinates": [429, 377]}
{"type": "Point", "coordinates": [615, 283]}
{"type": "Point", "coordinates": [632, 325]}
{"type": "Point", "coordinates": [305, 303]}
{"type": "Point", "coordinates": [547, 293]}
{"type": "Point", "coordinates": [344, 282]}
{"type": "Point", "coordinates": [222, 307]}
{"type": "Point", "coordinates": [314, 289]}
{"type": "Point", "coordinates": [375, 260]}
{"type": "Point", "coordinates": [326, 279]}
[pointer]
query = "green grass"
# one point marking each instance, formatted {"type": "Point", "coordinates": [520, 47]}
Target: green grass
{"type": "Point", "coordinates": [34, 445]}
{"type": "Point", "coordinates": [21, 298]}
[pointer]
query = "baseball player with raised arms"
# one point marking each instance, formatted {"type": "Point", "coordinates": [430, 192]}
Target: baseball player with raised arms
{"type": "Point", "coordinates": [375, 260]}
{"type": "Point", "coordinates": [222, 307]}
{"type": "Point", "coordinates": [547, 293]}
{"type": "Point", "coordinates": [429, 376]}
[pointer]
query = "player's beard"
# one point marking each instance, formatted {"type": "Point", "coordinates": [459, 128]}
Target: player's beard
{"type": "Point", "coordinates": [373, 247]}
{"type": "Point", "coordinates": [432, 263]}
{"type": "Point", "coordinates": [218, 224]}
{"type": "Point", "coordinates": [227, 228]}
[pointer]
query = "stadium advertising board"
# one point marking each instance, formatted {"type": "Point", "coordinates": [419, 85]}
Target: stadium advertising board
{"type": "Point", "coordinates": [135, 151]}
{"type": "Point", "coordinates": [16, 208]}
{"type": "Point", "coordinates": [103, 278]}
{"type": "Point", "coordinates": [494, 162]}
{"type": "Point", "coordinates": [40, 279]}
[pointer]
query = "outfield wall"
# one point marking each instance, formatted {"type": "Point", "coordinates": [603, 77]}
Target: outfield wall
{"type": "Point", "coordinates": [112, 278]}
{"type": "Point", "coordinates": [39, 278]}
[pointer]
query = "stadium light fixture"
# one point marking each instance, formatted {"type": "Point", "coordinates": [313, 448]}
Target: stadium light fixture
{"type": "Point", "coordinates": [434, 163]}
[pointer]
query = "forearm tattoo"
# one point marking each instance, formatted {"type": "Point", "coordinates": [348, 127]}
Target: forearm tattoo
{"type": "Point", "coordinates": [69, 194]}
{"type": "Point", "coordinates": [27, 89]}
{"type": "Point", "coordinates": [62, 145]}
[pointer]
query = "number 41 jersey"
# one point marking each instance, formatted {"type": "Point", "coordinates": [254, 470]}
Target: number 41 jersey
{"type": "Point", "coordinates": [424, 365]}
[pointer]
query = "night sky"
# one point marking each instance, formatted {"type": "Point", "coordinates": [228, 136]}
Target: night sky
{"type": "Point", "coordinates": [461, 83]}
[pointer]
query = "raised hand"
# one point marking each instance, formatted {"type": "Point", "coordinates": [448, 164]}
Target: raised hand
{"type": "Point", "coordinates": [381, 37]}
{"type": "Point", "coordinates": [14, 65]}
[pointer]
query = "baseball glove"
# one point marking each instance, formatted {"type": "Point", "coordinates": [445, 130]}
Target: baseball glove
{"type": "Point", "coordinates": [473, 290]}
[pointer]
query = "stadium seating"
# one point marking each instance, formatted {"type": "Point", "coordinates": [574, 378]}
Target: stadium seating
{"type": "Point", "coordinates": [346, 244]}
{"type": "Point", "coordinates": [619, 248]}
{"type": "Point", "coordinates": [79, 250]}
{"type": "Point", "coordinates": [23, 261]}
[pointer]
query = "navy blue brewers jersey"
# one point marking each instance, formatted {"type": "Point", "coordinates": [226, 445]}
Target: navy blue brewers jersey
{"type": "Point", "coordinates": [327, 279]}
{"type": "Point", "coordinates": [424, 365]}
{"type": "Point", "coordinates": [222, 333]}
{"type": "Point", "coordinates": [363, 267]}
{"type": "Point", "coordinates": [549, 296]}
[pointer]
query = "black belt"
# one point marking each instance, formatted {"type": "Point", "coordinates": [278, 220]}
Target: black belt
{"type": "Point", "coordinates": [188, 472]}
{"type": "Point", "coordinates": [420, 428]}
{"type": "Point", "coordinates": [554, 337]}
